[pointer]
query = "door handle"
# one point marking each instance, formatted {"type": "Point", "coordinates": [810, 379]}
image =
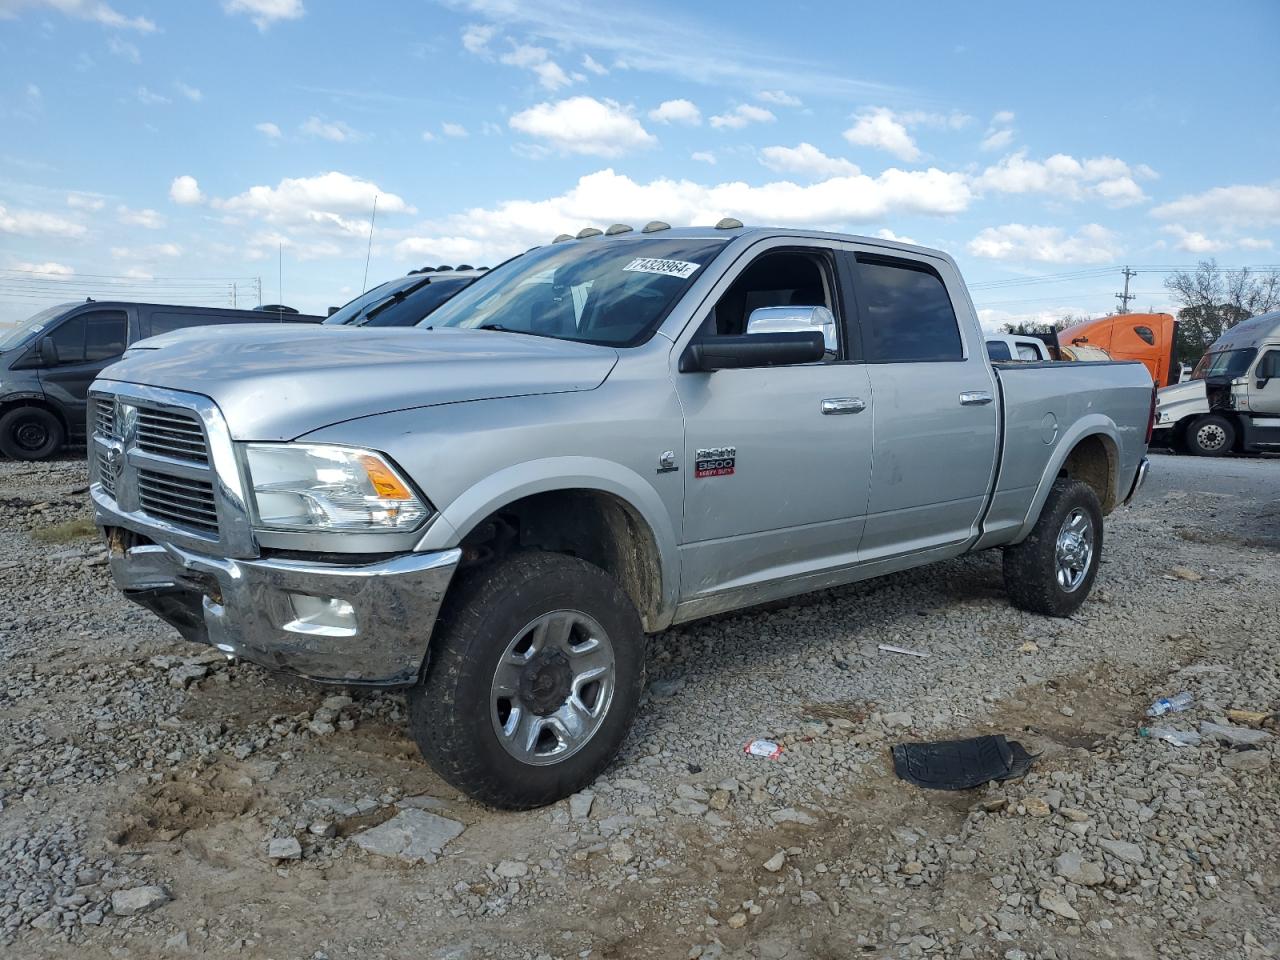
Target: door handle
{"type": "Point", "coordinates": [974, 398]}
{"type": "Point", "coordinates": [838, 405]}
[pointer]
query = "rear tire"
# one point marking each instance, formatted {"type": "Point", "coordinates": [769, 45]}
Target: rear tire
{"type": "Point", "coordinates": [536, 672]}
{"type": "Point", "coordinates": [31, 433]}
{"type": "Point", "coordinates": [1212, 435]}
{"type": "Point", "coordinates": [1052, 571]}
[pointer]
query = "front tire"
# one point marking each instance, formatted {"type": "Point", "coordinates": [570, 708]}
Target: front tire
{"type": "Point", "coordinates": [31, 433]}
{"type": "Point", "coordinates": [1211, 436]}
{"type": "Point", "coordinates": [536, 672]}
{"type": "Point", "coordinates": [1052, 571]}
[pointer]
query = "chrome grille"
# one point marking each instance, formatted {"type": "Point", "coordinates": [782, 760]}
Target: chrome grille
{"type": "Point", "coordinates": [106, 478]}
{"type": "Point", "coordinates": [171, 434]}
{"type": "Point", "coordinates": [181, 500]}
{"type": "Point", "coordinates": [104, 416]}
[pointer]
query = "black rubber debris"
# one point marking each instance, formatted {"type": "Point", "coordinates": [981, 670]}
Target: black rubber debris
{"type": "Point", "coordinates": [960, 764]}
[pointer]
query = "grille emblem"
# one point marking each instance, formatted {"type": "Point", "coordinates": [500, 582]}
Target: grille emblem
{"type": "Point", "coordinates": [114, 461]}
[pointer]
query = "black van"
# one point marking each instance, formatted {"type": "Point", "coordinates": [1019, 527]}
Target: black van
{"type": "Point", "coordinates": [48, 361]}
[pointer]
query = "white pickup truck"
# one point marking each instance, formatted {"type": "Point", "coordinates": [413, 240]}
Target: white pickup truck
{"type": "Point", "coordinates": [598, 439]}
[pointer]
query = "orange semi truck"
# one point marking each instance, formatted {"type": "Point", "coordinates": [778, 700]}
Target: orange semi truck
{"type": "Point", "coordinates": [1147, 337]}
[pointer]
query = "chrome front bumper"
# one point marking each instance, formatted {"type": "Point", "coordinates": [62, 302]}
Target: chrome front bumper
{"type": "Point", "coordinates": [257, 609]}
{"type": "Point", "coordinates": [1138, 480]}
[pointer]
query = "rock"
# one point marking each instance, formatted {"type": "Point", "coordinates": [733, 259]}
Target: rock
{"type": "Point", "coordinates": [620, 853]}
{"type": "Point", "coordinates": [323, 828]}
{"type": "Point", "coordinates": [1247, 761]}
{"type": "Point", "coordinates": [1233, 736]}
{"type": "Point", "coordinates": [776, 862]}
{"type": "Point", "coordinates": [339, 808]}
{"type": "Point", "coordinates": [421, 802]}
{"type": "Point", "coordinates": [284, 848]}
{"type": "Point", "coordinates": [1074, 814]}
{"type": "Point", "coordinates": [1036, 807]}
{"type": "Point", "coordinates": [1055, 902]}
{"type": "Point", "coordinates": [48, 921]}
{"type": "Point", "coordinates": [512, 869]}
{"type": "Point", "coordinates": [336, 703]}
{"type": "Point", "coordinates": [1185, 573]}
{"type": "Point", "coordinates": [580, 804]}
{"type": "Point", "coordinates": [690, 808]}
{"type": "Point", "coordinates": [1073, 868]}
{"type": "Point", "coordinates": [792, 815]}
{"type": "Point", "coordinates": [179, 941]}
{"type": "Point", "coordinates": [896, 719]}
{"type": "Point", "coordinates": [1123, 850]}
{"type": "Point", "coordinates": [688, 791]}
{"type": "Point", "coordinates": [130, 903]}
{"type": "Point", "coordinates": [410, 835]}
{"type": "Point", "coordinates": [184, 676]}
{"type": "Point", "coordinates": [1029, 647]}
{"type": "Point", "coordinates": [738, 921]}
{"type": "Point", "coordinates": [912, 868]}
{"type": "Point", "coordinates": [321, 729]}
{"type": "Point", "coordinates": [719, 800]}
{"type": "Point", "coordinates": [1248, 718]}
{"type": "Point", "coordinates": [994, 804]}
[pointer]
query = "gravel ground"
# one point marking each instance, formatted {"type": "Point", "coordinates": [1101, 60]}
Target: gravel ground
{"type": "Point", "coordinates": [157, 801]}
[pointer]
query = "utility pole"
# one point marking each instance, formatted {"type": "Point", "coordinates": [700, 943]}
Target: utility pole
{"type": "Point", "coordinates": [1125, 297]}
{"type": "Point", "coordinates": [233, 295]}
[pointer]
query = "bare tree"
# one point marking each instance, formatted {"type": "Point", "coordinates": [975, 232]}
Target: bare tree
{"type": "Point", "coordinates": [1031, 328]}
{"type": "Point", "coordinates": [1213, 300]}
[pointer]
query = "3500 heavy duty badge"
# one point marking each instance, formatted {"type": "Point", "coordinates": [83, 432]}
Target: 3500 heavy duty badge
{"type": "Point", "coordinates": [715, 462]}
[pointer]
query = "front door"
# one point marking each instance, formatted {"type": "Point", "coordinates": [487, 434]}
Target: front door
{"type": "Point", "coordinates": [1264, 388]}
{"type": "Point", "coordinates": [777, 459]}
{"type": "Point", "coordinates": [86, 343]}
{"type": "Point", "coordinates": [936, 408]}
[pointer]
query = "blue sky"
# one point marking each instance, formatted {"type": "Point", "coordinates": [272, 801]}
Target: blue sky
{"type": "Point", "coordinates": [165, 142]}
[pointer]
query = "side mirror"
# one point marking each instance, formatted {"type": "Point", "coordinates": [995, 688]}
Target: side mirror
{"type": "Point", "coordinates": [796, 320]}
{"type": "Point", "coordinates": [48, 352]}
{"type": "Point", "coordinates": [753, 350]}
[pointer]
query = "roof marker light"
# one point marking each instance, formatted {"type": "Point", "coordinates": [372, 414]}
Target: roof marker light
{"type": "Point", "coordinates": [653, 226]}
{"type": "Point", "coordinates": [561, 238]}
{"type": "Point", "coordinates": [616, 229]}
{"type": "Point", "coordinates": [589, 232]}
{"type": "Point", "coordinates": [729, 223]}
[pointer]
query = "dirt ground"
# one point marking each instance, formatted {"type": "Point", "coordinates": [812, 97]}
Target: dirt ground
{"type": "Point", "coordinates": [131, 760]}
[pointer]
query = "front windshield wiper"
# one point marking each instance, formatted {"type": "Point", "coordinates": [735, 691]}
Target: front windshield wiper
{"type": "Point", "coordinates": [369, 313]}
{"type": "Point", "coordinates": [500, 328]}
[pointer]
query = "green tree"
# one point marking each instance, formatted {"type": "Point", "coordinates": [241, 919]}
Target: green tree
{"type": "Point", "coordinates": [1214, 300]}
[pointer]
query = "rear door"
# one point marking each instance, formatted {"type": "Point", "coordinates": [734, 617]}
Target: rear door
{"type": "Point", "coordinates": [935, 416]}
{"type": "Point", "coordinates": [86, 344]}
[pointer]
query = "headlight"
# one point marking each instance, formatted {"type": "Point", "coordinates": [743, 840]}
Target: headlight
{"type": "Point", "coordinates": [310, 487]}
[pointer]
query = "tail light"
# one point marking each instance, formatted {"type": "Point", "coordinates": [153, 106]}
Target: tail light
{"type": "Point", "coordinates": [1151, 417]}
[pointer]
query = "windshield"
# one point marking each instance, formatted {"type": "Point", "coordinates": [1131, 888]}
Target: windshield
{"type": "Point", "coordinates": [612, 292]}
{"type": "Point", "coordinates": [408, 308]}
{"type": "Point", "coordinates": [356, 308]}
{"type": "Point", "coordinates": [1226, 363]}
{"type": "Point", "coordinates": [29, 327]}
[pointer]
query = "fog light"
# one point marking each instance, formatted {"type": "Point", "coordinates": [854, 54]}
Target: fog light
{"type": "Point", "coordinates": [321, 616]}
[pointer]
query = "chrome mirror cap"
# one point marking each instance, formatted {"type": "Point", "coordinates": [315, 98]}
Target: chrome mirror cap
{"type": "Point", "coordinates": [796, 320]}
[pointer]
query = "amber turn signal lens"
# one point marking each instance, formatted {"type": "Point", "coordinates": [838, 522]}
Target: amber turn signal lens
{"type": "Point", "coordinates": [384, 480]}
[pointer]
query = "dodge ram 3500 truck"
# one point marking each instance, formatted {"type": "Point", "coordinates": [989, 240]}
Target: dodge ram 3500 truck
{"type": "Point", "coordinates": [603, 437]}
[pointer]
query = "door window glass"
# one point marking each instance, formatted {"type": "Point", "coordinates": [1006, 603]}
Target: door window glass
{"type": "Point", "coordinates": [907, 315]}
{"type": "Point", "coordinates": [69, 339]}
{"type": "Point", "coordinates": [105, 334]}
{"type": "Point", "coordinates": [1269, 368]}
{"type": "Point", "coordinates": [1146, 334]}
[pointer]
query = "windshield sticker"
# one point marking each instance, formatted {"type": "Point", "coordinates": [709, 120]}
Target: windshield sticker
{"type": "Point", "coordinates": [667, 268]}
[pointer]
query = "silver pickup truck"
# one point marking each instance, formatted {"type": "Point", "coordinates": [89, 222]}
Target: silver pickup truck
{"type": "Point", "coordinates": [605, 436]}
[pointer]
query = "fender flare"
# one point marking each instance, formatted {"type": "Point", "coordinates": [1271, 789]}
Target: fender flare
{"type": "Point", "coordinates": [1094, 424]}
{"type": "Point", "coordinates": [565, 473]}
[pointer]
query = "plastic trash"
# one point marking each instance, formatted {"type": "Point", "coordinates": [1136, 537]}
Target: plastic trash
{"type": "Point", "coordinates": [890, 648]}
{"type": "Point", "coordinates": [763, 748]}
{"type": "Point", "coordinates": [1179, 738]}
{"type": "Point", "coordinates": [1170, 704]}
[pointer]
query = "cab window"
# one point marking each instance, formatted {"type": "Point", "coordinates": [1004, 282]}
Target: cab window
{"type": "Point", "coordinates": [998, 350]}
{"type": "Point", "coordinates": [91, 337]}
{"type": "Point", "coordinates": [907, 316]}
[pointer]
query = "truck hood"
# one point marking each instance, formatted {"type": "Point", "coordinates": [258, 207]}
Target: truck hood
{"type": "Point", "coordinates": [275, 383]}
{"type": "Point", "coordinates": [1180, 400]}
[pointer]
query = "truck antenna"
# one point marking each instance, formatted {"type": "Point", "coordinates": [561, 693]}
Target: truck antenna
{"type": "Point", "coordinates": [369, 251]}
{"type": "Point", "coordinates": [280, 279]}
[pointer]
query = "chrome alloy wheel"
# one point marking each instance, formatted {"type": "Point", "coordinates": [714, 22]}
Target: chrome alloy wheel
{"type": "Point", "coordinates": [1211, 437]}
{"type": "Point", "coordinates": [1074, 550]}
{"type": "Point", "coordinates": [552, 687]}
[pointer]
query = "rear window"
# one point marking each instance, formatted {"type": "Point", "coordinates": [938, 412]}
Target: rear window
{"type": "Point", "coordinates": [907, 316]}
{"type": "Point", "coordinates": [998, 350]}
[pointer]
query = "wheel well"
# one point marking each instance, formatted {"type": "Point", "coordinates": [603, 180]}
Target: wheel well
{"type": "Point", "coordinates": [1095, 460]}
{"type": "Point", "coordinates": [40, 404]}
{"type": "Point", "coordinates": [592, 525]}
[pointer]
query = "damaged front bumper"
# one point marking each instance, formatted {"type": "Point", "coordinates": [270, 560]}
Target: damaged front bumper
{"type": "Point", "coordinates": [352, 624]}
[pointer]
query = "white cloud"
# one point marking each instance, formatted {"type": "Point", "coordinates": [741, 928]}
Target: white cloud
{"type": "Point", "coordinates": [334, 202]}
{"type": "Point", "coordinates": [997, 139]}
{"type": "Point", "coordinates": [1003, 119]}
{"type": "Point", "coordinates": [528, 57]}
{"type": "Point", "coordinates": [1193, 241]}
{"type": "Point", "coordinates": [37, 223]}
{"type": "Point", "coordinates": [591, 65]}
{"type": "Point", "coordinates": [85, 201]}
{"type": "Point", "coordinates": [185, 191]}
{"type": "Point", "coordinates": [1066, 178]}
{"type": "Point", "coordinates": [1254, 243]}
{"type": "Point", "coordinates": [150, 96]}
{"type": "Point", "coordinates": [606, 196]}
{"type": "Point", "coordinates": [703, 156]}
{"type": "Point", "coordinates": [148, 254]}
{"type": "Point", "coordinates": [94, 10]}
{"type": "Point", "coordinates": [1238, 205]}
{"type": "Point", "coordinates": [807, 159]}
{"type": "Point", "coordinates": [148, 218]}
{"type": "Point", "coordinates": [884, 233]}
{"type": "Point", "coordinates": [334, 130]}
{"type": "Point", "coordinates": [268, 130]}
{"type": "Point", "coordinates": [1015, 241]}
{"type": "Point", "coordinates": [584, 125]}
{"type": "Point", "coordinates": [123, 49]}
{"type": "Point", "coordinates": [779, 98]}
{"type": "Point", "coordinates": [453, 129]}
{"type": "Point", "coordinates": [476, 37]}
{"type": "Point", "coordinates": [49, 268]}
{"type": "Point", "coordinates": [880, 130]}
{"type": "Point", "coordinates": [676, 111]}
{"type": "Point", "coordinates": [191, 93]}
{"type": "Point", "coordinates": [264, 13]}
{"type": "Point", "coordinates": [741, 115]}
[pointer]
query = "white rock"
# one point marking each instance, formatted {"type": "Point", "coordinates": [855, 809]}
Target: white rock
{"type": "Point", "coordinates": [512, 869]}
{"type": "Point", "coordinates": [1123, 850]}
{"type": "Point", "coordinates": [410, 835]}
{"type": "Point", "coordinates": [1234, 736]}
{"type": "Point", "coordinates": [130, 903]}
{"type": "Point", "coordinates": [776, 862]}
{"type": "Point", "coordinates": [1055, 902]}
{"type": "Point", "coordinates": [580, 804]}
{"type": "Point", "coordinates": [284, 848]}
{"type": "Point", "coordinates": [1073, 868]}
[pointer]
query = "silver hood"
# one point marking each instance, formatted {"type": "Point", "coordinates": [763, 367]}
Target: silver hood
{"type": "Point", "coordinates": [1180, 400]}
{"type": "Point", "coordinates": [277, 383]}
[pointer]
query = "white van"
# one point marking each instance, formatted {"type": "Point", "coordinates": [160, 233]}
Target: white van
{"type": "Point", "coordinates": [1231, 404]}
